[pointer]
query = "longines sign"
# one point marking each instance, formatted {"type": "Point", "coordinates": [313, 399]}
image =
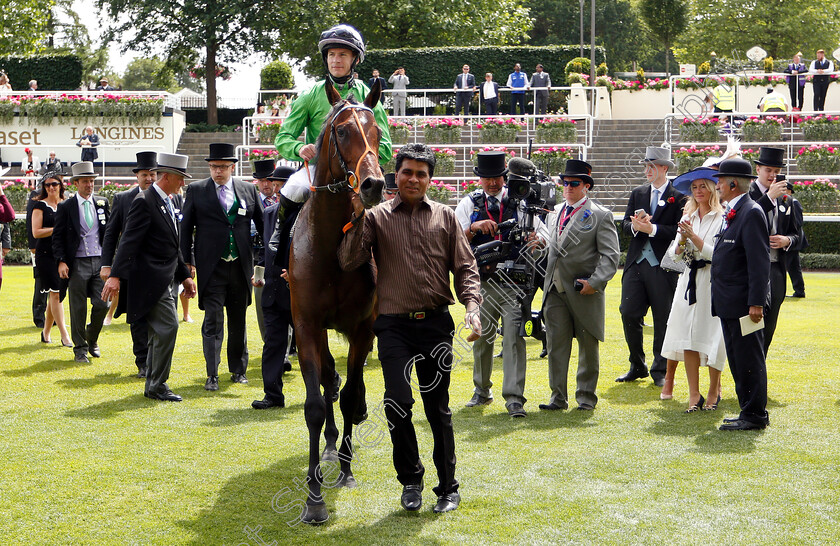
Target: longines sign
{"type": "Point", "coordinates": [118, 142]}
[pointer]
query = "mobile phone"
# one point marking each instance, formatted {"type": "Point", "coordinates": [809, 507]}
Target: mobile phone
{"type": "Point", "coordinates": [641, 213]}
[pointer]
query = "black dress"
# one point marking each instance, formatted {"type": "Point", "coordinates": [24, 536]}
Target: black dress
{"type": "Point", "coordinates": [44, 259]}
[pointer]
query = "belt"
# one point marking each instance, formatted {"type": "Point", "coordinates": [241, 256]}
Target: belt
{"type": "Point", "coordinates": [229, 259]}
{"type": "Point", "coordinates": [420, 315]}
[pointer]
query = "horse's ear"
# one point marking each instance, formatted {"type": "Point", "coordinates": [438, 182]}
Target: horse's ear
{"type": "Point", "coordinates": [332, 95]}
{"type": "Point", "coordinates": [374, 95]}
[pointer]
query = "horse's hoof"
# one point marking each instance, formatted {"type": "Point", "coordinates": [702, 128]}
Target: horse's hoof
{"type": "Point", "coordinates": [315, 514]}
{"type": "Point", "coordinates": [359, 419]}
{"type": "Point", "coordinates": [329, 455]}
{"type": "Point", "coordinates": [349, 482]}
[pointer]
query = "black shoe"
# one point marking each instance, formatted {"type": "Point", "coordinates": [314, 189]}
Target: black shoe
{"type": "Point", "coordinates": [266, 403]}
{"type": "Point", "coordinates": [659, 381]}
{"type": "Point", "coordinates": [501, 353]}
{"type": "Point", "coordinates": [798, 295]}
{"type": "Point", "coordinates": [43, 339]}
{"type": "Point", "coordinates": [515, 409]}
{"type": "Point", "coordinates": [141, 372]}
{"type": "Point", "coordinates": [287, 365]}
{"type": "Point", "coordinates": [731, 419]}
{"type": "Point", "coordinates": [165, 394]}
{"type": "Point", "coordinates": [239, 378]}
{"type": "Point", "coordinates": [447, 503]}
{"type": "Point", "coordinates": [212, 383]}
{"type": "Point", "coordinates": [585, 407]}
{"type": "Point", "coordinates": [554, 406]}
{"type": "Point", "coordinates": [478, 400]}
{"type": "Point", "coordinates": [94, 351]}
{"type": "Point", "coordinates": [698, 406]}
{"type": "Point", "coordinates": [632, 375]}
{"type": "Point", "coordinates": [741, 425]}
{"type": "Point", "coordinates": [82, 358]}
{"type": "Point", "coordinates": [544, 353]}
{"type": "Point", "coordinates": [412, 498]}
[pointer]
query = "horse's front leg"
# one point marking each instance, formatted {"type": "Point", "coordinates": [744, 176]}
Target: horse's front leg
{"type": "Point", "coordinates": [329, 382]}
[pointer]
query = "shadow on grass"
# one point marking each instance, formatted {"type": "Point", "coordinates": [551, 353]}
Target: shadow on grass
{"type": "Point", "coordinates": [101, 379]}
{"type": "Point", "coordinates": [109, 408]}
{"type": "Point", "coordinates": [265, 506]}
{"type": "Point", "coordinates": [247, 414]}
{"type": "Point", "coordinates": [703, 427]}
{"type": "Point", "coordinates": [476, 426]}
{"type": "Point", "coordinates": [631, 393]}
{"type": "Point", "coordinates": [47, 366]}
{"type": "Point", "coordinates": [31, 329]}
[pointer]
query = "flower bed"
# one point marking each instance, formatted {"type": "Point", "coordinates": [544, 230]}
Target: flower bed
{"type": "Point", "coordinates": [468, 186]}
{"type": "Point", "coordinates": [110, 189]}
{"type": "Point", "coordinates": [818, 159]}
{"type": "Point", "coordinates": [440, 191]}
{"type": "Point", "coordinates": [762, 129]}
{"type": "Point", "coordinates": [819, 195]}
{"type": "Point", "coordinates": [257, 154]}
{"type": "Point", "coordinates": [79, 108]}
{"type": "Point", "coordinates": [691, 157]}
{"type": "Point", "coordinates": [508, 153]}
{"type": "Point", "coordinates": [551, 160]}
{"type": "Point", "coordinates": [400, 131]}
{"type": "Point", "coordinates": [820, 127]}
{"type": "Point", "coordinates": [442, 130]}
{"type": "Point", "coordinates": [267, 132]}
{"type": "Point", "coordinates": [553, 130]}
{"type": "Point", "coordinates": [700, 130]}
{"type": "Point", "coordinates": [499, 130]}
{"type": "Point", "coordinates": [655, 84]}
{"type": "Point", "coordinates": [445, 161]}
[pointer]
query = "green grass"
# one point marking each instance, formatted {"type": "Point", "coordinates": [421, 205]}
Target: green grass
{"type": "Point", "coordinates": [86, 459]}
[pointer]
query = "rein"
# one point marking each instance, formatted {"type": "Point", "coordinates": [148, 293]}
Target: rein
{"type": "Point", "coordinates": [351, 180]}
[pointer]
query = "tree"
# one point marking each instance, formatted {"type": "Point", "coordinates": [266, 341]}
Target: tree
{"type": "Point", "coordinates": [276, 75]}
{"type": "Point", "coordinates": [666, 19]}
{"type": "Point", "coordinates": [23, 26]}
{"type": "Point", "coordinates": [148, 74]}
{"type": "Point", "coordinates": [210, 32]}
{"type": "Point", "coordinates": [730, 28]}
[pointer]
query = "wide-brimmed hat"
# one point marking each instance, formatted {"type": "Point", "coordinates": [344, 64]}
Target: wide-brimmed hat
{"type": "Point", "coordinates": [172, 163]}
{"type": "Point", "coordinates": [683, 182]}
{"type": "Point", "coordinates": [391, 181]}
{"type": "Point", "coordinates": [146, 161]}
{"type": "Point", "coordinates": [222, 151]}
{"type": "Point", "coordinates": [576, 168]}
{"type": "Point", "coordinates": [737, 167]}
{"type": "Point", "coordinates": [658, 156]}
{"type": "Point", "coordinates": [82, 169]}
{"type": "Point", "coordinates": [263, 168]}
{"type": "Point", "coordinates": [281, 173]}
{"type": "Point", "coordinates": [490, 164]}
{"type": "Point", "coordinates": [771, 157]}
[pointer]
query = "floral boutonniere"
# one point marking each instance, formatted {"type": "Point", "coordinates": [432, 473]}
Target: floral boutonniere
{"type": "Point", "coordinates": [671, 199]}
{"type": "Point", "coordinates": [730, 216]}
{"type": "Point", "coordinates": [100, 203]}
{"type": "Point", "coordinates": [784, 198]}
{"type": "Point", "coordinates": [586, 214]}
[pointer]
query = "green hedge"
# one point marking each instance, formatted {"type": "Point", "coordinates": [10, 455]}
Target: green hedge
{"type": "Point", "coordinates": [53, 72]}
{"type": "Point", "coordinates": [437, 67]}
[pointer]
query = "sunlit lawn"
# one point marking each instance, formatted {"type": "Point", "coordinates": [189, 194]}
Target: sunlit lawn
{"type": "Point", "coordinates": [87, 459]}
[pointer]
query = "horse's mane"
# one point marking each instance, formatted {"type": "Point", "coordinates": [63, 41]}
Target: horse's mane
{"type": "Point", "coordinates": [336, 107]}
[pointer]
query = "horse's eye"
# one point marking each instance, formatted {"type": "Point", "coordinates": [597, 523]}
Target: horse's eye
{"type": "Point", "coordinates": [341, 132]}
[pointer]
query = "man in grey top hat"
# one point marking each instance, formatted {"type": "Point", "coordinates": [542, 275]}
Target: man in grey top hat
{"type": "Point", "coordinates": [651, 219]}
{"type": "Point", "coordinates": [77, 246]}
{"type": "Point", "coordinates": [150, 258]}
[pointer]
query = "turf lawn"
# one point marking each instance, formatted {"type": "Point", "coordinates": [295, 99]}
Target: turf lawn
{"type": "Point", "coordinates": [86, 459]}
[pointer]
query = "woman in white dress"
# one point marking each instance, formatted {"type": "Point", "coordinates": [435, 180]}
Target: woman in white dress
{"type": "Point", "coordinates": [694, 335]}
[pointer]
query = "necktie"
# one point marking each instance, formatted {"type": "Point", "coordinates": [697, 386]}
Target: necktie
{"type": "Point", "coordinates": [566, 216]}
{"type": "Point", "coordinates": [223, 199]}
{"type": "Point", "coordinates": [171, 209]}
{"type": "Point", "coordinates": [654, 201]}
{"type": "Point", "coordinates": [88, 214]}
{"type": "Point", "coordinates": [270, 201]}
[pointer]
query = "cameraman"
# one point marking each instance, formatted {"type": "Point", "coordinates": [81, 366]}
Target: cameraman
{"type": "Point", "coordinates": [479, 214]}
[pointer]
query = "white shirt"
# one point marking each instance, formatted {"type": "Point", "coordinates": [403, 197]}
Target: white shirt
{"type": "Point", "coordinates": [36, 164]}
{"type": "Point", "coordinates": [489, 90]}
{"type": "Point", "coordinates": [813, 68]}
{"type": "Point", "coordinates": [166, 199]}
{"type": "Point", "coordinates": [465, 208]}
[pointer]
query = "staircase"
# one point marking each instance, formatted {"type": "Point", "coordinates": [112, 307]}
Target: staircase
{"type": "Point", "coordinates": [197, 146]}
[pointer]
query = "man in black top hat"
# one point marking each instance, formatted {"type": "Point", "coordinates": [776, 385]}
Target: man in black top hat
{"type": "Point", "coordinates": [391, 189]}
{"type": "Point", "coordinates": [740, 278]}
{"type": "Point", "coordinates": [479, 214]}
{"type": "Point", "coordinates": [794, 268]}
{"type": "Point", "coordinates": [216, 229]}
{"type": "Point", "coordinates": [146, 161]}
{"type": "Point", "coordinates": [651, 219]}
{"type": "Point", "coordinates": [785, 231]}
{"type": "Point", "coordinates": [263, 169]}
{"type": "Point", "coordinates": [583, 256]}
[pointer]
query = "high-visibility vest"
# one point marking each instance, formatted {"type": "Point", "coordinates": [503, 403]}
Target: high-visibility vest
{"type": "Point", "coordinates": [725, 97]}
{"type": "Point", "coordinates": [773, 100]}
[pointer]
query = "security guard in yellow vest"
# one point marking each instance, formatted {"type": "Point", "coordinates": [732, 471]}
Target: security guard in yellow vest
{"type": "Point", "coordinates": [773, 101]}
{"type": "Point", "coordinates": [724, 97]}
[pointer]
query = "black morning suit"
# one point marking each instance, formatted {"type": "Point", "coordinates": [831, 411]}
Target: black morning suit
{"type": "Point", "coordinates": [644, 286]}
{"type": "Point", "coordinates": [740, 279]}
{"type": "Point", "coordinates": [492, 105]}
{"type": "Point", "coordinates": [820, 83]}
{"type": "Point", "coordinates": [463, 98]}
{"type": "Point", "coordinates": [149, 258]}
{"type": "Point", "coordinates": [786, 224]}
{"type": "Point", "coordinates": [794, 269]}
{"type": "Point", "coordinates": [116, 226]}
{"type": "Point", "coordinates": [205, 231]}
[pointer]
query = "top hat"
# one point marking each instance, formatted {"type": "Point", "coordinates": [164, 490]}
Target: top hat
{"type": "Point", "coordinates": [221, 151]}
{"type": "Point", "coordinates": [82, 169]}
{"type": "Point", "coordinates": [490, 164]}
{"type": "Point", "coordinates": [391, 181]}
{"type": "Point", "coordinates": [263, 168]}
{"type": "Point", "coordinates": [281, 173]}
{"type": "Point", "coordinates": [146, 161]}
{"type": "Point", "coordinates": [575, 168]}
{"type": "Point", "coordinates": [737, 167]}
{"type": "Point", "coordinates": [658, 156]}
{"type": "Point", "coordinates": [172, 163]}
{"type": "Point", "coordinates": [771, 157]}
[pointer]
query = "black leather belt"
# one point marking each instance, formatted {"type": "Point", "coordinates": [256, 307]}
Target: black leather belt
{"type": "Point", "coordinates": [420, 315]}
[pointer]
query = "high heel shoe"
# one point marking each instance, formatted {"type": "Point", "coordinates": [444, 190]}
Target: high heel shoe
{"type": "Point", "coordinates": [712, 407]}
{"type": "Point", "coordinates": [43, 339]}
{"type": "Point", "coordinates": [697, 406]}
{"type": "Point", "coordinates": [67, 344]}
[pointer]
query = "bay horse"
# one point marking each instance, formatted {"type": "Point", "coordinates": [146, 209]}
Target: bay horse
{"type": "Point", "coordinates": [325, 297]}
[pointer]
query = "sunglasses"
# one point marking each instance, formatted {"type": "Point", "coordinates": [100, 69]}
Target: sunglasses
{"type": "Point", "coordinates": [51, 184]}
{"type": "Point", "coordinates": [572, 183]}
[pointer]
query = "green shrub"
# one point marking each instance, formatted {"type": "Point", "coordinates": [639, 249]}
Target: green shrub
{"type": "Point", "coordinates": [276, 75]}
{"type": "Point", "coordinates": [207, 128]}
{"type": "Point", "coordinates": [704, 68]}
{"type": "Point", "coordinates": [53, 72]}
{"type": "Point", "coordinates": [768, 64]}
{"type": "Point", "coordinates": [579, 65]}
{"type": "Point", "coordinates": [819, 261]}
{"type": "Point", "coordinates": [823, 237]}
{"type": "Point", "coordinates": [640, 75]}
{"type": "Point", "coordinates": [601, 69]}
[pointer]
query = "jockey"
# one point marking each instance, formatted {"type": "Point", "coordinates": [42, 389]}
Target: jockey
{"type": "Point", "coordinates": [342, 48]}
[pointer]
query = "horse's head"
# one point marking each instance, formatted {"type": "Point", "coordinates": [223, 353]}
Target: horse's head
{"type": "Point", "coordinates": [350, 143]}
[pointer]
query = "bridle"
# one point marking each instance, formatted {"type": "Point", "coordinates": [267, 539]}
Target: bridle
{"type": "Point", "coordinates": [351, 179]}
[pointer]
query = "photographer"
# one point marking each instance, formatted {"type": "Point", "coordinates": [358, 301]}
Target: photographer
{"type": "Point", "coordinates": [480, 214]}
